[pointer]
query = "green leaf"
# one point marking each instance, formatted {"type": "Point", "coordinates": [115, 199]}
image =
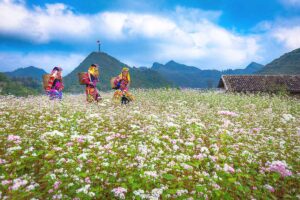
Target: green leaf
{"type": "Point", "coordinates": [231, 180]}
{"type": "Point", "coordinates": [200, 188]}
{"type": "Point", "coordinates": [169, 176]}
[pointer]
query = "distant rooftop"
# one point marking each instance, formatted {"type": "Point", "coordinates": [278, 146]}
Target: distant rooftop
{"type": "Point", "coordinates": [260, 83]}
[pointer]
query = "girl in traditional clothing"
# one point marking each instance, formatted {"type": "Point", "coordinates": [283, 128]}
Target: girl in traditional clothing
{"type": "Point", "coordinates": [90, 79]}
{"type": "Point", "coordinates": [55, 84]}
{"type": "Point", "coordinates": [121, 84]}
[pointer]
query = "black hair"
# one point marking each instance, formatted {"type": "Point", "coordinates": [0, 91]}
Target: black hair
{"type": "Point", "coordinates": [57, 69]}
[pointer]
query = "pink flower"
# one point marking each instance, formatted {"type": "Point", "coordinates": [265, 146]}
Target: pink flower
{"type": "Point", "coordinates": [14, 138]}
{"type": "Point", "coordinates": [123, 136]}
{"type": "Point", "coordinates": [227, 113]}
{"type": "Point", "coordinates": [80, 139]}
{"type": "Point", "coordinates": [119, 192]}
{"type": "Point", "coordinates": [216, 186]}
{"type": "Point", "coordinates": [6, 182]}
{"type": "Point", "coordinates": [228, 168]}
{"type": "Point", "coordinates": [56, 185]}
{"type": "Point", "coordinates": [255, 130]}
{"type": "Point", "coordinates": [87, 180]}
{"type": "Point", "coordinates": [213, 158]}
{"type": "Point", "coordinates": [199, 156]}
{"type": "Point", "coordinates": [186, 166]}
{"type": "Point", "coordinates": [2, 161]}
{"type": "Point", "coordinates": [280, 167]}
{"type": "Point", "coordinates": [69, 144]}
{"type": "Point", "coordinates": [50, 191]}
{"type": "Point", "coordinates": [227, 123]}
{"type": "Point", "coordinates": [18, 183]}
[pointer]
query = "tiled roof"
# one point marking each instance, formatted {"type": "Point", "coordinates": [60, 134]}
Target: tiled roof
{"type": "Point", "coordinates": [260, 83]}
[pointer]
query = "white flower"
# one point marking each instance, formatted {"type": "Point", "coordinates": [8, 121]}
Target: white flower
{"type": "Point", "coordinates": [171, 124]}
{"type": "Point", "coordinates": [286, 118]}
{"type": "Point", "coordinates": [54, 133]}
{"type": "Point", "coordinates": [83, 156]}
{"type": "Point", "coordinates": [84, 189]}
{"type": "Point", "coordinates": [204, 150]}
{"type": "Point", "coordinates": [181, 192]}
{"type": "Point", "coordinates": [175, 147]}
{"type": "Point", "coordinates": [151, 173]}
{"type": "Point", "coordinates": [143, 149]}
{"type": "Point", "coordinates": [53, 176]}
{"type": "Point", "coordinates": [92, 194]}
{"type": "Point", "coordinates": [269, 187]}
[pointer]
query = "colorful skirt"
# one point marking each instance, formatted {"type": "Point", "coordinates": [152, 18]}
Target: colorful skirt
{"type": "Point", "coordinates": [54, 94]}
{"type": "Point", "coordinates": [92, 94]}
{"type": "Point", "coordinates": [120, 95]}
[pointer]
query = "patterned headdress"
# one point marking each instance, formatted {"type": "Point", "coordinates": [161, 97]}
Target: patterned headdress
{"type": "Point", "coordinates": [93, 70]}
{"type": "Point", "coordinates": [125, 69]}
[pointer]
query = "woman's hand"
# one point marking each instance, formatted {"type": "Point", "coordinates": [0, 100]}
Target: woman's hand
{"type": "Point", "coordinates": [91, 83]}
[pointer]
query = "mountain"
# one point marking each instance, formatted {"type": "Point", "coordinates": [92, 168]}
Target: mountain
{"type": "Point", "coordinates": [111, 67]}
{"type": "Point", "coordinates": [186, 76]}
{"type": "Point", "coordinates": [192, 77]}
{"type": "Point", "coordinates": [33, 72]}
{"type": "Point", "coordinates": [250, 69]}
{"type": "Point", "coordinates": [288, 63]}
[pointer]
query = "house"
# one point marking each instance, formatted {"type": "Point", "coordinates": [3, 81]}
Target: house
{"type": "Point", "coordinates": [260, 83]}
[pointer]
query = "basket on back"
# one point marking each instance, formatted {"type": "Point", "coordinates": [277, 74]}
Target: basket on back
{"type": "Point", "coordinates": [81, 76]}
{"type": "Point", "coordinates": [112, 82]}
{"type": "Point", "coordinates": [46, 78]}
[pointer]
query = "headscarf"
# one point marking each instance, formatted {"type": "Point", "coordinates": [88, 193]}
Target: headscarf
{"type": "Point", "coordinates": [128, 75]}
{"type": "Point", "coordinates": [55, 78]}
{"type": "Point", "coordinates": [93, 70]}
{"type": "Point", "coordinates": [54, 72]}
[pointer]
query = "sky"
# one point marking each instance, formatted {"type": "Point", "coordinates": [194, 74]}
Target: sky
{"type": "Point", "coordinates": [208, 34]}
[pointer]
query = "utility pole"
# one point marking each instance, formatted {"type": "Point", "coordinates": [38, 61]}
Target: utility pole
{"type": "Point", "coordinates": [99, 45]}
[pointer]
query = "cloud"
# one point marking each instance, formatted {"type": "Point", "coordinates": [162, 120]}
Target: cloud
{"type": "Point", "coordinates": [288, 36]}
{"type": "Point", "coordinates": [41, 25]}
{"type": "Point", "coordinates": [283, 32]}
{"type": "Point", "coordinates": [205, 44]}
{"type": "Point", "coordinates": [11, 61]}
{"type": "Point", "coordinates": [291, 3]}
{"type": "Point", "coordinates": [188, 35]}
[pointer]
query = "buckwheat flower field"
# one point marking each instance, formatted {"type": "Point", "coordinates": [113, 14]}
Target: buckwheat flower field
{"type": "Point", "coordinates": [167, 144]}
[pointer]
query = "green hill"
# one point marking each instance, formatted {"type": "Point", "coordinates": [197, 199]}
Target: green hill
{"type": "Point", "coordinates": [31, 72]}
{"type": "Point", "coordinates": [110, 67]}
{"type": "Point", "coordinates": [288, 63]}
{"type": "Point", "coordinates": [22, 86]}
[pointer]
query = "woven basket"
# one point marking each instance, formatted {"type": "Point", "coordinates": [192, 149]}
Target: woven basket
{"type": "Point", "coordinates": [112, 82]}
{"type": "Point", "coordinates": [80, 78]}
{"type": "Point", "coordinates": [46, 78]}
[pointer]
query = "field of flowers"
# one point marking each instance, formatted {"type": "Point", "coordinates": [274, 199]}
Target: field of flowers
{"type": "Point", "coordinates": [168, 144]}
